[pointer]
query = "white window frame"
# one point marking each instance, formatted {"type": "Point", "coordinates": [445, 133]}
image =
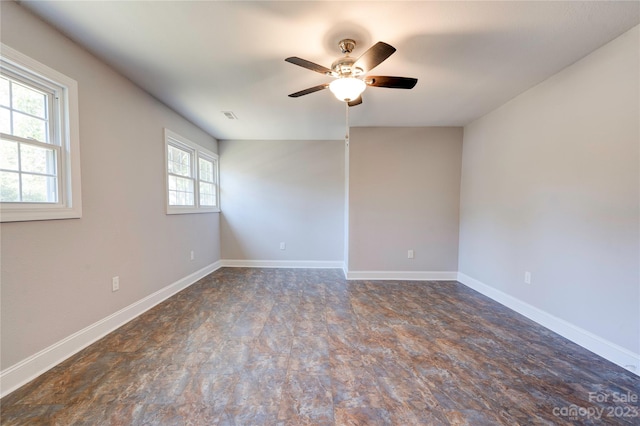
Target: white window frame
{"type": "Point", "coordinates": [65, 140]}
{"type": "Point", "coordinates": [196, 151]}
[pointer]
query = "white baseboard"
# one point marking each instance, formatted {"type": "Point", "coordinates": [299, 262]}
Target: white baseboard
{"type": "Point", "coordinates": [403, 275]}
{"type": "Point", "coordinates": [320, 264]}
{"type": "Point", "coordinates": [28, 369]}
{"type": "Point", "coordinates": [596, 344]}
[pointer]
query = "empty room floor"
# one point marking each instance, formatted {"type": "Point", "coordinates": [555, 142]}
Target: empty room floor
{"type": "Point", "coordinates": [295, 346]}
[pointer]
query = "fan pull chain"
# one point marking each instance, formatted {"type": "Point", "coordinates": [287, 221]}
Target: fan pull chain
{"type": "Point", "coordinates": [346, 104]}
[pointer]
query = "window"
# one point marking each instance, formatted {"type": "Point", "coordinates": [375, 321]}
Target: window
{"type": "Point", "coordinates": [39, 144]}
{"type": "Point", "coordinates": [192, 176]}
{"type": "Point", "coordinates": [207, 180]}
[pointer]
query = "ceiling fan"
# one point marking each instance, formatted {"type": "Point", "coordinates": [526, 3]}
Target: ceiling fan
{"type": "Point", "coordinates": [350, 73]}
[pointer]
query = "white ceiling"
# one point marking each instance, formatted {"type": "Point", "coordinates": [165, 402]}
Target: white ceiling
{"type": "Point", "coordinates": [204, 57]}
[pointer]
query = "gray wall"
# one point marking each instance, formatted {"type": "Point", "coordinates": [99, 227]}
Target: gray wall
{"type": "Point", "coordinates": [404, 191]}
{"type": "Point", "coordinates": [550, 185]}
{"type": "Point", "coordinates": [282, 191]}
{"type": "Point", "coordinates": [56, 275]}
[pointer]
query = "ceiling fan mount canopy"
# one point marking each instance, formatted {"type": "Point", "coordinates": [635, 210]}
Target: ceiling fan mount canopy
{"type": "Point", "coordinates": [347, 45]}
{"type": "Point", "coordinates": [350, 73]}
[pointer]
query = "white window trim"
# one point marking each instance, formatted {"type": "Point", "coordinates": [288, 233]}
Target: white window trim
{"type": "Point", "coordinates": [69, 205]}
{"type": "Point", "coordinates": [172, 138]}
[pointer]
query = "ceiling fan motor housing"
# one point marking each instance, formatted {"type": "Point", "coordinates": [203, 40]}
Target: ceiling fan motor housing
{"type": "Point", "coordinates": [343, 67]}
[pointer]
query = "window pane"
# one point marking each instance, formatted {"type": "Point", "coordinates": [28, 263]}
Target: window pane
{"type": "Point", "coordinates": [179, 161]}
{"type": "Point", "coordinates": [173, 183]}
{"type": "Point", "coordinates": [181, 191]}
{"type": "Point", "coordinates": [5, 121]}
{"type": "Point", "coordinates": [183, 185]}
{"type": "Point", "coordinates": [206, 170]}
{"type": "Point", "coordinates": [4, 92]}
{"type": "Point", "coordinates": [29, 127]}
{"type": "Point", "coordinates": [207, 194]}
{"type": "Point", "coordinates": [8, 155]}
{"type": "Point", "coordinates": [29, 101]}
{"type": "Point", "coordinates": [206, 188]}
{"type": "Point", "coordinates": [185, 161]}
{"type": "Point", "coordinates": [39, 189]}
{"type": "Point", "coordinates": [9, 187]}
{"type": "Point", "coordinates": [188, 185]}
{"type": "Point", "coordinates": [37, 160]}
{"type": "Point", "coordinates": [207, 201]}
{"type": "Point", "coordinates": [179, 198]}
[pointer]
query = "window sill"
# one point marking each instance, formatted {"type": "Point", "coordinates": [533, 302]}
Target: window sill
{"type": "Point", "coordinates": [25, 214]}
{"type": "Point", "coordinates": [190, 210]}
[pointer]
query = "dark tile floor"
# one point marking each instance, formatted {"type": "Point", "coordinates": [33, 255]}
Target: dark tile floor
{"type": "Point", "coordinates": [285, 346]}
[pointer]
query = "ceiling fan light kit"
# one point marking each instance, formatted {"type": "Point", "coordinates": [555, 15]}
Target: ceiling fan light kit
{"type": "Point", "coordinates": [347, 89]}
{"type": "Point", "coordinates": [350, 73]}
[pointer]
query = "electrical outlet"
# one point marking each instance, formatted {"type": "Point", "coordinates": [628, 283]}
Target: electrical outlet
{"type": "Point", "coordinates": [527, 277]}
{"type": "Point", "coordinates": [410, 254]}
{"type": "Point", "coordinates": [193, 255]}
{"type": "Point", "coordinates": [115, 283]}
{"type": "Point", "coordinates": [283, 246]}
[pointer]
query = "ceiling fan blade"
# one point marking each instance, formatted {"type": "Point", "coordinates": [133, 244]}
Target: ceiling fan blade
{"type": "Point", "coordinates": [355, 102]}
{"type": "Point", "coordinates": [374, 56]}
{"type": "Point", "coordinates": [309, 90]}
{"type": "Point", "coordinates": [391, 82]}
{"type": "Point", "coordinates": [308, 65]}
